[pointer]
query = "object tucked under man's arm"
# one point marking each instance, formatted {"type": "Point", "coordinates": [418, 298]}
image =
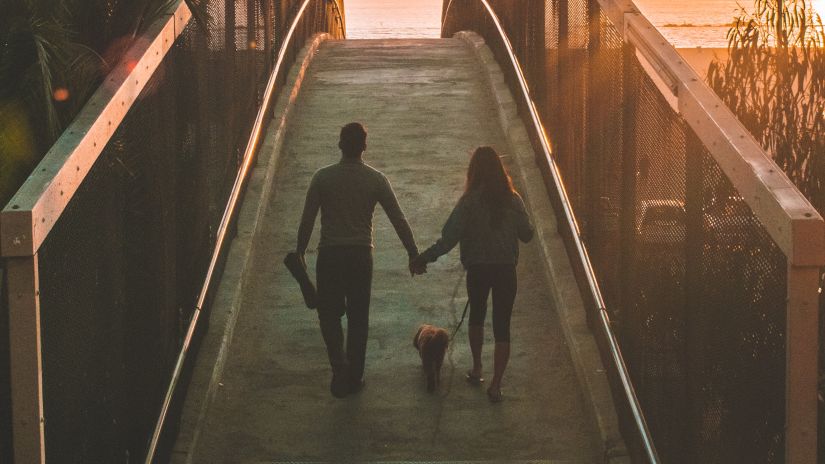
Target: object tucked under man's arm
{"type": "Point", "coordinates": [311, 206]}
{"type": "Point", "coordinates": [389, 202]}
{"type": "Point", "coordinates": [450, 234]}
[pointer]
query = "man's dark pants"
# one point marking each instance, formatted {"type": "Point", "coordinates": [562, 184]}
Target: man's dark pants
{"type": "Point", "coordinates": [344, 275]}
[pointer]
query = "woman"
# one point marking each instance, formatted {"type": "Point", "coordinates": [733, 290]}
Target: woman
{"type": "Point", "coordinates": [488, 222]}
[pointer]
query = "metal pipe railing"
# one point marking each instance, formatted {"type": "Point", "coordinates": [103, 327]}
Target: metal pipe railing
{"type": "Point", "coordinates": [339, 16]}
{"type": "Point", "coordinates": [581, 250]}
{"type": "Point", "coordinates": [250, 153]}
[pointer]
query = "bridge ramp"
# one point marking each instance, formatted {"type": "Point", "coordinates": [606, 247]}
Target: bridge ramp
{"type": "Point", "coordinates": [426, 106]}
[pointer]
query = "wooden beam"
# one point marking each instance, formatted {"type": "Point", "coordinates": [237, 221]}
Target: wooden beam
{"type": "Point", "coordinates": [783, 211]}
{"type": "Point", "coordinates": [801, 364]}
{"type": "Point", "coordinates": [616, 9]}
{"type": "Point", "coordinates": [789, 218]}
{"type": "Point", "coordinates": [26, 360]}
{"type": "Point", "coordinates": [35, 208]}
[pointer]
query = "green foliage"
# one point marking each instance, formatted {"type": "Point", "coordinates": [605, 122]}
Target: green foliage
{"type": "Point", "coordinates": [774, 80]}
{"type": "Point", "coordinates": [53, 55]}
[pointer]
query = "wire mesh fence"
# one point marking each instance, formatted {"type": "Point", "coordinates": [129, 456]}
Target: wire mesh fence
{"type": "Point", "coordinates": [695, 285]}
{"type": "Point", "coordinates": [5, 386]}
{"type": "Point", "coordinates": [122, 268]}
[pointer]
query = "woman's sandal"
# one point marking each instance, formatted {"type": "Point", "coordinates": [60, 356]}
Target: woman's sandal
{"type": "Point", "coordinates": [495, 396]}
{"type": "Point", "coordinates": [473, 379]}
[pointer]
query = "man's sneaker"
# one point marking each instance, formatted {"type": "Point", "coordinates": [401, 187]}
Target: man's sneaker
{"type": "Point", "coordinates": [356, 386]}
{"type": "Point", "coordinates": [339, 387]}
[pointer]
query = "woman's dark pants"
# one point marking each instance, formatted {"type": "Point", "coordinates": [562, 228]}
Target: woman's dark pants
{"type": "Point", "coordinates": [501, 281]}
{"type": "Point", "coordinates": [344, 275]}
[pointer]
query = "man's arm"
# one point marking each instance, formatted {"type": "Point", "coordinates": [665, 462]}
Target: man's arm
{"type": "Point", "coordinates": [389, 202]}
{"type": "Point", "coordinates": [311, 206]}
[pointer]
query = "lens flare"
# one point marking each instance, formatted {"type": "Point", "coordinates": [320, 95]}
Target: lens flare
{"type": "Point", "coordinates": [819, 7]}
{"type": "Point", "coordinates": [61, 94]}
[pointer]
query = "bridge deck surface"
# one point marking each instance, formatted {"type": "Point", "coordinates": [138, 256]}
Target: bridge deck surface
{"type": "Point", "coordinates": [425, 105]}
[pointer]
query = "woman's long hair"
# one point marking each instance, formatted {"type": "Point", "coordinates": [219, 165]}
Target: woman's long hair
{"type": "Point", "coordinates": [487, 175]}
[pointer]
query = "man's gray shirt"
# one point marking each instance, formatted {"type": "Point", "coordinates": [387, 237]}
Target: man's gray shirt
{"type": "Point", "coordinates": [346, 193]}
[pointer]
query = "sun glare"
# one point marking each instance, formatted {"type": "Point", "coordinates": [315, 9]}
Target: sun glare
{"type": "Point", "coordinates": [819, 6]}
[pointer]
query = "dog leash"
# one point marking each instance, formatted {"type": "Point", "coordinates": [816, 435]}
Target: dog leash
{"type": "Point", "coordinates": [463, 315]}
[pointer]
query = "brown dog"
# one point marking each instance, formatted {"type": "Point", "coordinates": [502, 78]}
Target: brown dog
{"type": "Point", "coordinates": [431, 343]}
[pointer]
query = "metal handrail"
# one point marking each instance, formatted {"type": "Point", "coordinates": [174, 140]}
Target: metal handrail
{"type": "Point", "coordinates": [250, 153]}
{"type": "Point", "coordinates": [583, 256]}
{"type": "Point", "coordinates": [341, 19]}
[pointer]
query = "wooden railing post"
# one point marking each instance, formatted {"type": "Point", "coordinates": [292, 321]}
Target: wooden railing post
{"type": "Point", "coordinates": [38, 205]}
{"type": "Point", "coordinates": [26, 360]}
{"type": "Point", "coordinates": [801, 365]}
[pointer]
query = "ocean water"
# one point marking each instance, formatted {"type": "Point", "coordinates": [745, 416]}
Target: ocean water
{"type": "Point", "coordinates": [687, 24]}
{"type": "Point", "coordinates": [694, 23]}
{"type": "Point", "coordinates": [383, 19]}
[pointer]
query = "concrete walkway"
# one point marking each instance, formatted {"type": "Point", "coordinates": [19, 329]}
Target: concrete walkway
{"type": "Point", "coordinates": [425, 105]}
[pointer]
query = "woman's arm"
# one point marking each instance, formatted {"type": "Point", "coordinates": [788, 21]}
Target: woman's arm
{"type": "Point", "coordinates": [450, 234]}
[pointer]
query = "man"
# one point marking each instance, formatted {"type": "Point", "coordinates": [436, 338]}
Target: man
{"type": "Point", "coordinates": [346, 193]}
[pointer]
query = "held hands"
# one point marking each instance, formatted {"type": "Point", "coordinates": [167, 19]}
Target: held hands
{"type": "Point", "coordinates": [418, 266]}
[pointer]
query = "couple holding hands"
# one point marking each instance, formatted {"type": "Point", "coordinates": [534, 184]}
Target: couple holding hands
{"type": "Point", "coordinates": [487, 223]}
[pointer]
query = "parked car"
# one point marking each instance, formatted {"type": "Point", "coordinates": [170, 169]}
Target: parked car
{"type": "Point", "coordinates": [729, 224]}
{"type": "Point", "coordinates": [660, 223]}
{"type": "Point", "coordinates": [659, 259]}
